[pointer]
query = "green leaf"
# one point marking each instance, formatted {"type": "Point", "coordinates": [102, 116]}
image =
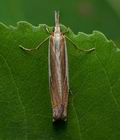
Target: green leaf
{"type": "Point", "coordinates": [25, 107]}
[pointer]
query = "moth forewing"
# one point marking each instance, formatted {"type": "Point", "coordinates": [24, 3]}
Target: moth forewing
{"type": "Point", "coordinates": [65, 76]}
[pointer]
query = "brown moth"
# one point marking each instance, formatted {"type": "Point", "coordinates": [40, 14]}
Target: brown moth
{"type": "Point", "coordinates": [58, 72]}
{"type": "Point", "coordinates": [58, 69]}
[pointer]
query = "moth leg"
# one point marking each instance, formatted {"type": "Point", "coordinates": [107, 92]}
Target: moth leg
{"type": "Point", "coordinates": [84, 50]}
{"type": "Point", "coordinates": [28, 49]}
{"type": "Point", "coordinates": [66, 31]}
{"type": "Point", "coordinates": [47, 30]}
{"type": "Point", "coordinates": [70, 92]}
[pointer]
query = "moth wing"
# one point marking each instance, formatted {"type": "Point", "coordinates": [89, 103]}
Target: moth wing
{"type": "Point", "coordinates": [56, 98]}
{"type": "Point", "coordinates": [65, 75]}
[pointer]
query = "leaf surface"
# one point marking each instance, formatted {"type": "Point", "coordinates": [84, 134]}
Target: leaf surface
{"type": "Point", "coordinates": [25, 107]}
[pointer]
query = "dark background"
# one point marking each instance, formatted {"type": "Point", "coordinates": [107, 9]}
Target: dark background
{"type": "Point", "coordinates": [79, 15]}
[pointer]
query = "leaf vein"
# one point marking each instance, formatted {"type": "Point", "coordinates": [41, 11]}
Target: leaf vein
{"type": "Point", "coordinates": [19, 98]}
{"type": "Point", "coordinates": [80, 134]}
{"type": "Point", "coordinates": [111, 91]}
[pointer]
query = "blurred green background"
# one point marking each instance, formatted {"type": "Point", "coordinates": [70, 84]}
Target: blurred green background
{"type": "Point", "coordinates": [79, 15]}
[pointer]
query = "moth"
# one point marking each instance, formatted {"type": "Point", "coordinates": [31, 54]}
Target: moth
{"type": "Point", "coordinates": [58, 70]}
